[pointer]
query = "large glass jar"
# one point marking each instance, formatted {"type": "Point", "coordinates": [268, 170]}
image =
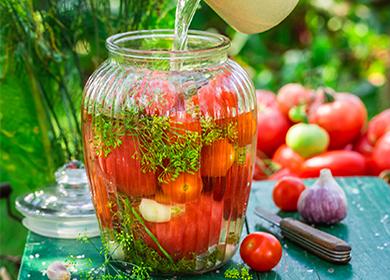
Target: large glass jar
{"type": "Point", "coordinates": [169, 142]}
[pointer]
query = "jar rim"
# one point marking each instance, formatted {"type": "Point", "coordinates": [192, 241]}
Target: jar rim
{"type": "Point", "coordinates": [219, 43]}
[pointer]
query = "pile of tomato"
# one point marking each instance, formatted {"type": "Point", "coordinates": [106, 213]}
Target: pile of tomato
{"type": "Point", "coordinates": [301, 131]}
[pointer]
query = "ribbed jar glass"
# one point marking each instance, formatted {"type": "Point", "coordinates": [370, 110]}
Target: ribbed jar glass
{"type": "Point", "coordinates": [169, 143]}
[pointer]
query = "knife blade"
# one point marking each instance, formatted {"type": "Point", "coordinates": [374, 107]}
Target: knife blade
{"type": "Point", "coordinates": [320, 243]}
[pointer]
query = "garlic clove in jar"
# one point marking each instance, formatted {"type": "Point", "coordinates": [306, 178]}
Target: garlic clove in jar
{"type": "Point", "coordinates": [324, 202]}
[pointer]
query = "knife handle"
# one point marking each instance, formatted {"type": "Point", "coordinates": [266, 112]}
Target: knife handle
{"type": "Point", "coordinates": [314, 236]}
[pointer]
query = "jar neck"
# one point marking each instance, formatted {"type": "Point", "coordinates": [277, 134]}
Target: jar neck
{"type": "Point", "coordinates": [152, 49]}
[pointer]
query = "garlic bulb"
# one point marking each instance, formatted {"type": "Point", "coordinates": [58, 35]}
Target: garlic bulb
{"type": "Point", "coordinates": [325, 202]}
{"type": "Point", "coordinates": [57, 271]}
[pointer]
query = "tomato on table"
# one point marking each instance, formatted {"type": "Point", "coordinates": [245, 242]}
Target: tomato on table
{"type": "Point", "coordinates": [217, 158]}
{"type": "Point", "coordinates": [307, 139]}
{"type": "Point", "coordinates": [194, 231]}
{"type": "Point", "coordinates": [343, 116]}
{"type": "Point", "coordinates": [340, 162]}
{"type": "Point", "coordinates": [289, 159]}
{"type": "Point", "coordinates": [286, 193]}
{"type": "Point", "coordinates": [272, 127]}
{"type": "Point", "coordinates": [261, 167]}
{"type": "Point", "coordinates": [261, 251]}
{"type": "Point", "coordinates": [281, 173]}
{"type": "Point", "coordinates": [381, 154]}
{"type": "Point", "coordinates": [291, 95]}
{"type": "Point", "coordinates": [378, 126]}
{"type": "Point", "coordinates": [123, 168]}
{"type": "Point", "coordinates": [187, 187]}
{"type": "Point", "coordinates": [266, 98]}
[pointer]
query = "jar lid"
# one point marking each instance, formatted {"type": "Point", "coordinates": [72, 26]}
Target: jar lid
{"type": "Point", "coordinates": [62, 210]}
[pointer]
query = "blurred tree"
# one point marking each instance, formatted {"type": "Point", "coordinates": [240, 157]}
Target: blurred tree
{"type": "Point", "coordinates": [48, 48]}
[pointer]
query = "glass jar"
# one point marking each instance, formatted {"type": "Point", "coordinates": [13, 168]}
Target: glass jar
{"type": "Point", "coordinates": [169, 142]}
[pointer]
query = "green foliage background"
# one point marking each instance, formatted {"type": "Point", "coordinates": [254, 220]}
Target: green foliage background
{"type": "Point", "coordinates": [48, 48]}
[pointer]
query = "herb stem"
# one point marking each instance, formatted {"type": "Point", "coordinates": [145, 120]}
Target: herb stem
{"type": "Point", "coordinates": [151, 235]}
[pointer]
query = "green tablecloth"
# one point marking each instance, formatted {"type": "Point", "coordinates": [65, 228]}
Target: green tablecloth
{"type": "Point", "coordinates": [366, 228]}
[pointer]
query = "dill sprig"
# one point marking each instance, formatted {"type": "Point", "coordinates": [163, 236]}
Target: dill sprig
{"type": "Point", "coordinates": [161, 147]}
{"type": "Point", "coordinates": [213, 131]}
{"type": "Point", "coordinates": [239, 272]}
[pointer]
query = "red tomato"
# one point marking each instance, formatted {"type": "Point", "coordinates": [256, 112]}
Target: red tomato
{"type": "Point", "coordinates": [281, 173]}
{"type": "Point", "coordinates": [217, 99]}
{"type": "Point", "coordinates": [157, 95]}
{"type": "Point", "coordinates": [194, 231]}
{"type": "Point", "coordinates": [217, 158]}
{"type": "Point", "coordinates": [291, 95]}
{"type": "Point", "coordinates": [378, 126]}
{"type": "Point", "coordinates": [124, 170]}
{"type": "Point", "coordinates": [181, 122]}
{"type": "Point", "coordinates": [343, 119]}
{"type": "Point", "coordinates": [261, 251]}
{"type": "Point", "coordinates": [246, 126]}
{"type": "Point", "coordinates": [286, 193]}
{"type": "Point", "coordinates": [266, 98]}
{"type": "Point", "coordinates": [381, 154]}
{"type": "Point", "coordinates": [261, 171]}
{"type": "Point", "coordinates": [364, 147]}
{"type": "Point", "coordinates": [340, 162]}
{"type": "Point", "coordinates": [238, 186]}
{"type": "Point", "coordinates": [272, 127]}
{"type": "Point", "coordinates": [289, 159]}
{"type": "Point", "coordinates": [101, 199]}
{"type": "Point", "coordinates": [186, 187]}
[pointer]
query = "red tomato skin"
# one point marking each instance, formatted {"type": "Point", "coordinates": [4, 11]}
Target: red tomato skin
{"type": "Point", "coordinates": [291, 95]}
{"type": "Point", "coordinates": [340, 162]}
{"type": "Point", "coordinates": [343, 119]}
{"type": "Point", "coordinates": [261, 251]}
{"type": "Point", "coordinates": [363, 146]}
{"type": "Point", "coordinates": [286, 193]}
{"type": "Point", "coordinates": [378, 126]}
{"type": "Point", "coordinates": [238, 186]}
{"type": "Point", "coordinates": [191, 232]}
{"type": "Point", "coordinates": [281, 173]}
{"type": "Point", "coordinates": [125, 172]}
{"type": "Point", "coordinates": [217, 158]}
{"type": "Point", "coordinates": [157, 95]}
{"type": "Point", "coordinates": [266, 98]}
{"type": "Point", "coordinates": [289, 159]}
{"type": "Point", "coordinates": [187, 187]}
{"type": "Point", "coordinates": [272, 127]}
{"type": "Point", "coordinates": [260, 170]}
{"type": "Point", "coordinates": [218, 99]}
{"type": "Point", "coordinates": [381, 154]}
{"type": "Point", "coordinates": [246, 126]}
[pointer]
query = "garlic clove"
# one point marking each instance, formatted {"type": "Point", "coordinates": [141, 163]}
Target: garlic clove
{"type": "Point", "coordinates": [57, 271]}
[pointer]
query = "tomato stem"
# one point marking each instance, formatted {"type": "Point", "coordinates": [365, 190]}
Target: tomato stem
{"type": "Point", "coordinates": [328, 94]}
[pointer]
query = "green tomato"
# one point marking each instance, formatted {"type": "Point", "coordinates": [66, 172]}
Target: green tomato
{"type": "Point", "coordinates": [307, 139]}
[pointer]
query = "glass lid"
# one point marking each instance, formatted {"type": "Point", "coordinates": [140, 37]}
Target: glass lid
{"type": "Point", "coordinates": [63, 209]}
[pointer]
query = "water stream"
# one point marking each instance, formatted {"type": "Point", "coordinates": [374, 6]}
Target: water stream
{"type": "Point", "coordinates": [185, 11]}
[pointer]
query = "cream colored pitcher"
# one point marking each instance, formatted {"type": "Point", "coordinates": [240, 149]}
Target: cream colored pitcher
{"type": "Point", "coordinates": [252, 16]}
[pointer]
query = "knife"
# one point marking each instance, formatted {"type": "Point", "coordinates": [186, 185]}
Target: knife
{"type": "Point", "coordinates": [320, 243]}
